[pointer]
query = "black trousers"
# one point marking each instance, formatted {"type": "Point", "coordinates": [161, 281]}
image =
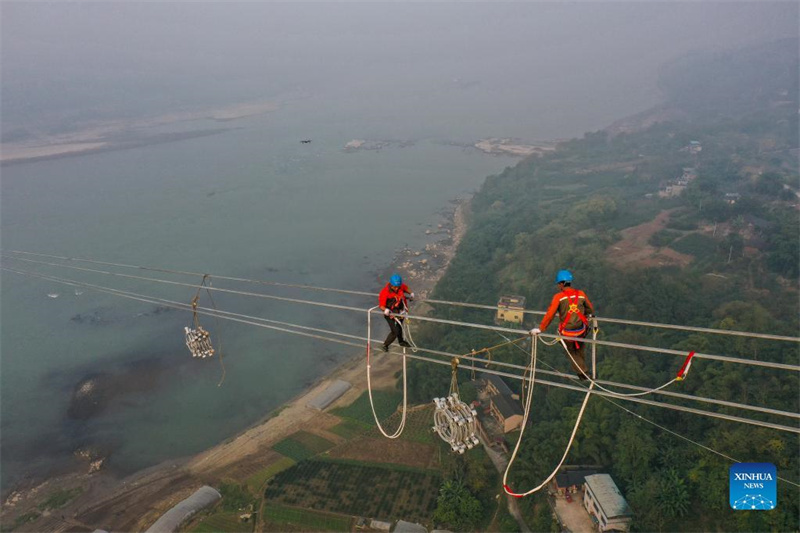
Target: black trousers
{"type": "Point", "coordinates": [396, 331]}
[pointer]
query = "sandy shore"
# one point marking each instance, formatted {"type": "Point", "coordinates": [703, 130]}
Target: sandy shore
{"type": "Point", "coordinates": [102, 136]}
{"type": "Point", "coordinates": [133, 503]}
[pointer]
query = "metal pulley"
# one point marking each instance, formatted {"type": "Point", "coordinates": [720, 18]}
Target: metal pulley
{"type": "Point", "coordinates": [199, 342]}
{"type": "Point", "coordinates": [454, 421]}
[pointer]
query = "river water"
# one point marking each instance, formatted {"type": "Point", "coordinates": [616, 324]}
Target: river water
{"type": "Point", "coordinates": [251, 202]}
{"type": "Point", "coordinates": [254, 202]}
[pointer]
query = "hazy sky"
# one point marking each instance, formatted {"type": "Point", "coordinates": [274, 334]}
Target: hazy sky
{"type": "Point", "coordinates": [100, 60]}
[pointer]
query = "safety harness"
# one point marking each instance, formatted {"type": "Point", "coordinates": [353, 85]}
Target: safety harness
{"type": "Point", "coordinates": [573, 299]}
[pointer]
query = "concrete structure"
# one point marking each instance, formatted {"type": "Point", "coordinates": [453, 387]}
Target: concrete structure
{"type": "Point", "coordinates": [503, 403]}
{"type": "Point", "coordinates": [380, 525]}
{"type": "Point", "coordinates": [329, 395]}
{"type": "Point", "coordinates": [408, 527]}
{"type": "Point", "coordinates": [605, 503]}
{"type": "Point", "coordinates": [507, 412]}
{"type": "Point", "coordinates": [171, 520]}
{"type": "Point", "coordinates": [510, 309]}
{"type": "Point", "coordinates": [495, 385]}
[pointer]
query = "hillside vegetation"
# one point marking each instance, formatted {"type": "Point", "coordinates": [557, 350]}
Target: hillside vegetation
{"type": "Point", "coordinates": [724, 253]}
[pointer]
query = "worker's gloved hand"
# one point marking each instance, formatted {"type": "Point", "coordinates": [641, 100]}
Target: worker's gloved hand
{"type": "Point", "coordinates": [535, 331]}
{"type": "Point", "coordinates": [386, 312]}
{"type": "Point", "coordinates": [411, 296]}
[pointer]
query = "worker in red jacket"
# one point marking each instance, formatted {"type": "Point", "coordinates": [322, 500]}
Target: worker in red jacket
{"type": "Point", "coordinates": [574, 310]}
{"type": "Point", "coordinates": [393, 302]}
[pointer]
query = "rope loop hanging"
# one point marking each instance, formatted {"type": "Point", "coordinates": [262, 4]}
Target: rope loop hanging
{"type": "Point", "coordinates": [526, 414]}
{"type": "Point", "coordinates": [369, 383]}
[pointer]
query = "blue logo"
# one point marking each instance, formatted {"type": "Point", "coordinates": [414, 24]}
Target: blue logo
{"type": "Point", "coordinates": [753, 486]}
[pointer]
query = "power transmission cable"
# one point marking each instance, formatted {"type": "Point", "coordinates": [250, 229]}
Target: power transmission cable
{"type": "Point", "coordinates": [679, 327]}
{"type": "Point", "coordinates": [255, 321]}
{"type": "Point", "coordinates": [520, 367]}
{"type": "Point", "coordinates": [640, 417]}
{"type": "Point", "coordinates": [666, 351]}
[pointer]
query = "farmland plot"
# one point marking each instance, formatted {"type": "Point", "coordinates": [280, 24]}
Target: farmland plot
{"type": "Point", "coordinates": [381, 450]}
{"type": "Point", "coordinates": [386, 403]}
{"type": "Point", "coordinates": [357, 489]}
{"type": "Point", "coordinates": [302, 445]}
{"type": "Point", "coordinates": [277, 517]}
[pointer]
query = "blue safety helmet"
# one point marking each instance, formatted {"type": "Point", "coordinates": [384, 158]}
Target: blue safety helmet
{"type": "Point", "coordinates": [395, 280]}
{"type": "Point", "coordinates": [564, 276]}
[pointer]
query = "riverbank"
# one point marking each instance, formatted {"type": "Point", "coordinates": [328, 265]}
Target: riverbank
{"type": "Point", "coordinates": [109, 135]}
{"type": "Point", "coordinates": [136, 501]}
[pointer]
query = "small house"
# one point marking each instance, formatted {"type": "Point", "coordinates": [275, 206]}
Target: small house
{"type": "Point", "coordinates": [511, 309]}
{"type": "Point", "coordinates": [605, 503]}
{"type": "Point", "coordinates": [571, 481]}
{"type": "Point", "coordinates": [503, 404]}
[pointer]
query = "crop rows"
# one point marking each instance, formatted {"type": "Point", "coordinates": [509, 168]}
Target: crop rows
{"type": "Point", "coordinates": [418, 426]}
{"type": "Point", "coordinates": [305, 520]}
{"type": "Point", "coordinates": [256, 481]}
{"type": "Point", "coordinates": [356, 489]}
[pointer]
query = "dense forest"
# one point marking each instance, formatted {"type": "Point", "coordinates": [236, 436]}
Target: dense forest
{"type": "Point", "coordinates": [723, 178]}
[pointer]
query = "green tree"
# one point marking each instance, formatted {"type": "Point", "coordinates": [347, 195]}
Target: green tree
{"type": "Point", "coordinates": [673, 497]}
{"type": "Point", "coordinates": [456, 507]}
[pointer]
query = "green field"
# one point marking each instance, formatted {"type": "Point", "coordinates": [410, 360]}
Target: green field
{"type": "Point", "coordinates": [357, 489]}
{"type": "Point", "coordinates": [302, 445]}
{"type": "Point", "coordinates": [386, 403]}
{"type": "Point", "coordinates": [418, 426]}
{"type": "Point", "coordinates": [223, 522]}
{"type": "Point", "coordinates": [257, 480]}
{"type": "Point", "coordinates": [349, 428]}
{"type": "Point", "coordinates": [696, 244]}
{"type": "Point", "coordinates": [305, 520]}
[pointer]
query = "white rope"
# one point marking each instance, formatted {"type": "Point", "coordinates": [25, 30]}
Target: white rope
{"type": "Point", "coordinates": [616, 394]}
{"type": "Point", "coordinates": [259, 322]}
{"type": "Point", "coordinates": [405, 325]}
{"type": "Point", "coordinates": [369, 384]}
{"type": "Point", "coordinates": [687, 439]}
{"type": "Point", "coordinates": [678, 327]}
{"type": "Point", "coordinates": [525, 416]}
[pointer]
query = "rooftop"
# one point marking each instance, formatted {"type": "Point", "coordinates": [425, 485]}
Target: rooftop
{"type": "Point", "coordinates": [512, 302]}
{"type": "Point", "coordinates": [573, 477]}
{"type": "Point", "coordinates": [498, 383]}
{"type": "Point", "coordinates": [608, 496]}
{"type": "Point", "coordinates": [332, 393]}
{"type": "Point", "coordinates": [506, 405]}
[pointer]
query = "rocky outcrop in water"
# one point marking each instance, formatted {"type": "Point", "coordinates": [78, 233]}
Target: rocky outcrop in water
{"type": "Point", "coordinates": [90, 396]}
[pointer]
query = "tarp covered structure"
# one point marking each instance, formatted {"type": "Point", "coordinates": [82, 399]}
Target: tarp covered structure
{"type": "Point", "coordinates": [172, 519]}
{"type": "Point", "coordinates": [330, 394]}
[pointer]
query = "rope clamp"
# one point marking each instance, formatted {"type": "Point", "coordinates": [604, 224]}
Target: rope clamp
{"type": "Point", "coordinates": [684, 370]}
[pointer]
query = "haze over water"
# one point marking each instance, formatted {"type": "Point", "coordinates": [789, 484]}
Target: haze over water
{"type": "Point", "coordinates": [253, 201]}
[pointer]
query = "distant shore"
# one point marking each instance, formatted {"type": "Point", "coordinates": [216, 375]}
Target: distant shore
{"type": "Point", "coordinates": [112, 135]}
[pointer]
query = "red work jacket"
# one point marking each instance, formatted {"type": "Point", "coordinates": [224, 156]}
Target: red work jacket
{"type": "Point", "coordinates": [393, 300]}
{"type": "Point", "coordinates": [570, 321]}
